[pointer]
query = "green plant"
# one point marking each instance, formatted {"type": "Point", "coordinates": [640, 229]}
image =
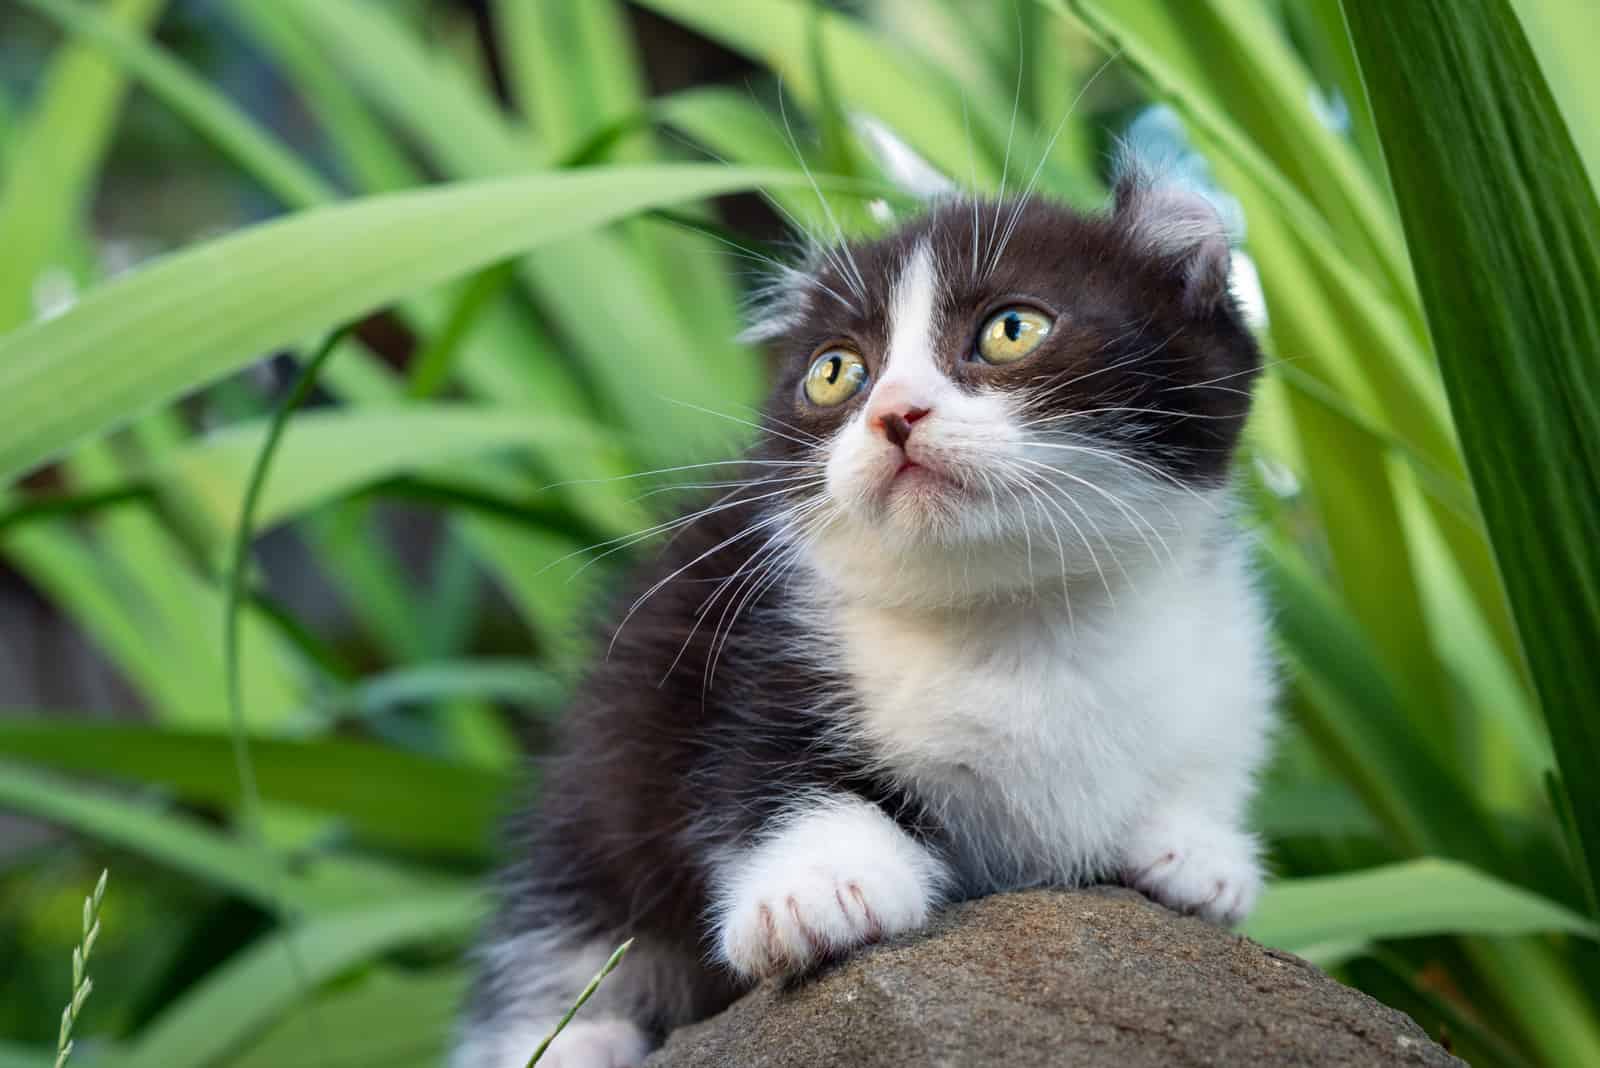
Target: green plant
{"type": "Point", "coordinates": [82, 984]}
{"type": "Point", "coordinates": [1422, 469]}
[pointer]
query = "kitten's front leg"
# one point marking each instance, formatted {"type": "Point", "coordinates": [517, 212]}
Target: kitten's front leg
{"type": "Point", "coordinates": [832, 874]}
{"type": "Point", "coordinates": [1196, 862]}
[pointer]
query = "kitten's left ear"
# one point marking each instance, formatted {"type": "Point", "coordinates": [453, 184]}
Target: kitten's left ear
{"type": "Point", "coordinates": [1181, 227]}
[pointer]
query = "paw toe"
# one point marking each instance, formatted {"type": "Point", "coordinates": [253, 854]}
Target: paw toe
{"type": "Point", "coordinates": [1212, 874]}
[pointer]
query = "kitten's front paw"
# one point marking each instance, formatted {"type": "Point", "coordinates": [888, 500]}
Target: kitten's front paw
{"type": "Point", "coordinates": [810, 915]}
{"type": "Point", "coordinates": [1195, 867]}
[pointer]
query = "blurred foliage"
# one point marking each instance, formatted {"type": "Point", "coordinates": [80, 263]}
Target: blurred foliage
{"type": "Point", "coordinates": [541, 253]}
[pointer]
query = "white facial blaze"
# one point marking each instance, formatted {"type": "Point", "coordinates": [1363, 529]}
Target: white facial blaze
{"type": "Point", "coordinates": [909, 366]}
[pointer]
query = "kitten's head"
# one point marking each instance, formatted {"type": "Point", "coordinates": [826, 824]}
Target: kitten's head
{"type": "Point", "coordinates": [1003, 396]}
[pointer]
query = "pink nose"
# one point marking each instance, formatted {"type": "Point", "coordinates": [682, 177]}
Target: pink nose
{"type": "Point", "coordinates": [896, 425]}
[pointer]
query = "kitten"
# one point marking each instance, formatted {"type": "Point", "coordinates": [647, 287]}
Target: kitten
{"type": "Point", "coordinates": [976, 619]}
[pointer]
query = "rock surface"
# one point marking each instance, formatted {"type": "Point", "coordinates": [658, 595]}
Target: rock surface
{"type": "Point", "coordinates": [1084, 978]}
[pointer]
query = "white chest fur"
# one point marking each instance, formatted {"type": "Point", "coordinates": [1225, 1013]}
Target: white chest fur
{"type": "Point", "coordinates": [1038, 742]}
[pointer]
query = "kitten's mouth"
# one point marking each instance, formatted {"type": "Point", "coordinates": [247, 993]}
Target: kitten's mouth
{"type": "Point", "coordinates": [911, 473]}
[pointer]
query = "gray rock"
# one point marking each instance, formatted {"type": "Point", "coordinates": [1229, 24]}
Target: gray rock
{"type": "Point", "coordinates": [1083, 978]}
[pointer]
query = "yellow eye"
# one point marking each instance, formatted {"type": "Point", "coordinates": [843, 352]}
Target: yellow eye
{"type": "Point", "coordinates": [1012, 333]}
{"type": "Point", "coordinates": [835, 377]}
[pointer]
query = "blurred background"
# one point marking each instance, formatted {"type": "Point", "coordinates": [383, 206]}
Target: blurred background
{"type": "Point", "coordinates": [521, 374]}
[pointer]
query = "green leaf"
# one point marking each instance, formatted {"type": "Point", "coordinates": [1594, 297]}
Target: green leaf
{"type": "Point", "coordinates": [397, 798]}
{"type": "Point", "coordinates": [397, 69]}
{"type": "Point", "coordinates": [53, 161]}
{"type": "Point", "coordinates": [1507, 256]}
{"type": "Point", "coordinates": [432, 366]}
{"type": "Point", "coordinates": [1562, 33]}
{"type": "Point", "coordinates": [1407, 900]}
{"type": "Point", "coordinates": [1237, 58]}
{"type": "Point", "coordinates": [186, 845]}
{"type": "Point", "coordinates": [733, 127]}
{"type": "Point", "coordinates": [1286, 810]}
{"type": "Point", "coordinates": [257, 152]}
{"type": "Point", "coordinates": [264, 158]}
{"type": "Point", "coordinates": [392, 1017]}
{"type": "Point", "coordinates": [688, 333]}
{"type": "Point", "coordinates": [260, 985]}
{"type": "Point", "coordinates": [372, 155]}
{"type": "Point", "coordinates": [1352, 711]}
{"type": "Point", "coordinates": [197, 314]}
{"type": "Point", "coordinates": [160, 583]}
{"type": "Point", "coordinates": [328, 454]}
{"type": "Point", "coordinates": [12, 1056]}
{"type": "Point", "coordinates": [907, 91]}
{"type": "Point", "coordinates": [97, 591]}
{"type": "Point", "coordinates": [501, 680]}
{"type": "Point", "coordinates": [572, 68]}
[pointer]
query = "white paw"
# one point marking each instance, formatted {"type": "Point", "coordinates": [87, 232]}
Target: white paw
{"type": "Point", "coordinates": [602, 1043]}
{"type": "Point", "coordinates": [817, 914]}
{"type": "Point", "coordinates": [837, 878]}
{"type": "Point", "coordinates": [1196, 867]}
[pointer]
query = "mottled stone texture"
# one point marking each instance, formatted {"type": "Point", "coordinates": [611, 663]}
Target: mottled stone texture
{"type": "Point", "coordinates": [1086, 978]}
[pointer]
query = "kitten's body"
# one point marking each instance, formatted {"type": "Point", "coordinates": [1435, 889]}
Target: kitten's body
{"type": "Point", "coordinates": [993, 651]}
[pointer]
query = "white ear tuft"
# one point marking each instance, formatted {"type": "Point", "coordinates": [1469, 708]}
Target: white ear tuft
{"type": "Point", "coordinates": [1181, 226]}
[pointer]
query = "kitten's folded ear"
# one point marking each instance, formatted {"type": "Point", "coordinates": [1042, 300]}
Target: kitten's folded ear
{"type": "Point", "coordinates": [1181, 227]}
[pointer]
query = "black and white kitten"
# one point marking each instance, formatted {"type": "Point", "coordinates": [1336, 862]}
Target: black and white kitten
{"type": "Point", "coordinates": [976, 619]}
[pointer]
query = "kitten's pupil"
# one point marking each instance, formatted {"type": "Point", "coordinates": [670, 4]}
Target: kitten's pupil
{"type": "Point", "coordinates": [1013, 326]}
{"type": "Point", "coordinates": [835, 366]}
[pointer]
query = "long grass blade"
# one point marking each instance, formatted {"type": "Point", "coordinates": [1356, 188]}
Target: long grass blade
{"type": "Point", "coordinates": [1507, 256]}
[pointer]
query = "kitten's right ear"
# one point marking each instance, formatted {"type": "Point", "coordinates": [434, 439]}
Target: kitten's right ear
{"type": "Point", "coordinates": [1181, 227]}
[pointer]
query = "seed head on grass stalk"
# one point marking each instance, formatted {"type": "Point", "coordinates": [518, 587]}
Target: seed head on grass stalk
{"type": "Point", "coordinates": [81, 983]}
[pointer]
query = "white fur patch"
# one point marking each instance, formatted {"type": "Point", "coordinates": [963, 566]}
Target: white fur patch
{"type": "Point", "coordinates": [602, 1043]}
{"type": "Point", "coordinates": [834, 875]}
{"type": "Point", "coordinates": [539, 974]}
{"type": "Point", "coordinates": [911, 321]}
{"type": "Point", "coordinates": [1044, 743]}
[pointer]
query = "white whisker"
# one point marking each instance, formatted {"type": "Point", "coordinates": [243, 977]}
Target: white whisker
{"type": "Point", "coordinates": [1061, 553]}
{"type": "Point", "coordinates": [811, 443]}
{"type": "Point", "coordinates": [1022, 199]}
{"type": "Point", "coordinates": [629, 540]}
{"type": "Point", "coordinates": [1115, 457]}
{"type": "Point", "coordinates": [752, 528]}
{"type": "Point", "coordinates": [741, 461]}
{"type": "Point", "coordinates": [1005, 166]}
{"type": "Point", "coordinates": [1094, 557]}
{"type": "Point", "coordinates": [1138, 521]}
{"type": "Point", "coordinates": [1085, 412]}
{"type": "Point", "coordinates": [676, 487]}
{"type": "Point", "coordinates": [853, 277]}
